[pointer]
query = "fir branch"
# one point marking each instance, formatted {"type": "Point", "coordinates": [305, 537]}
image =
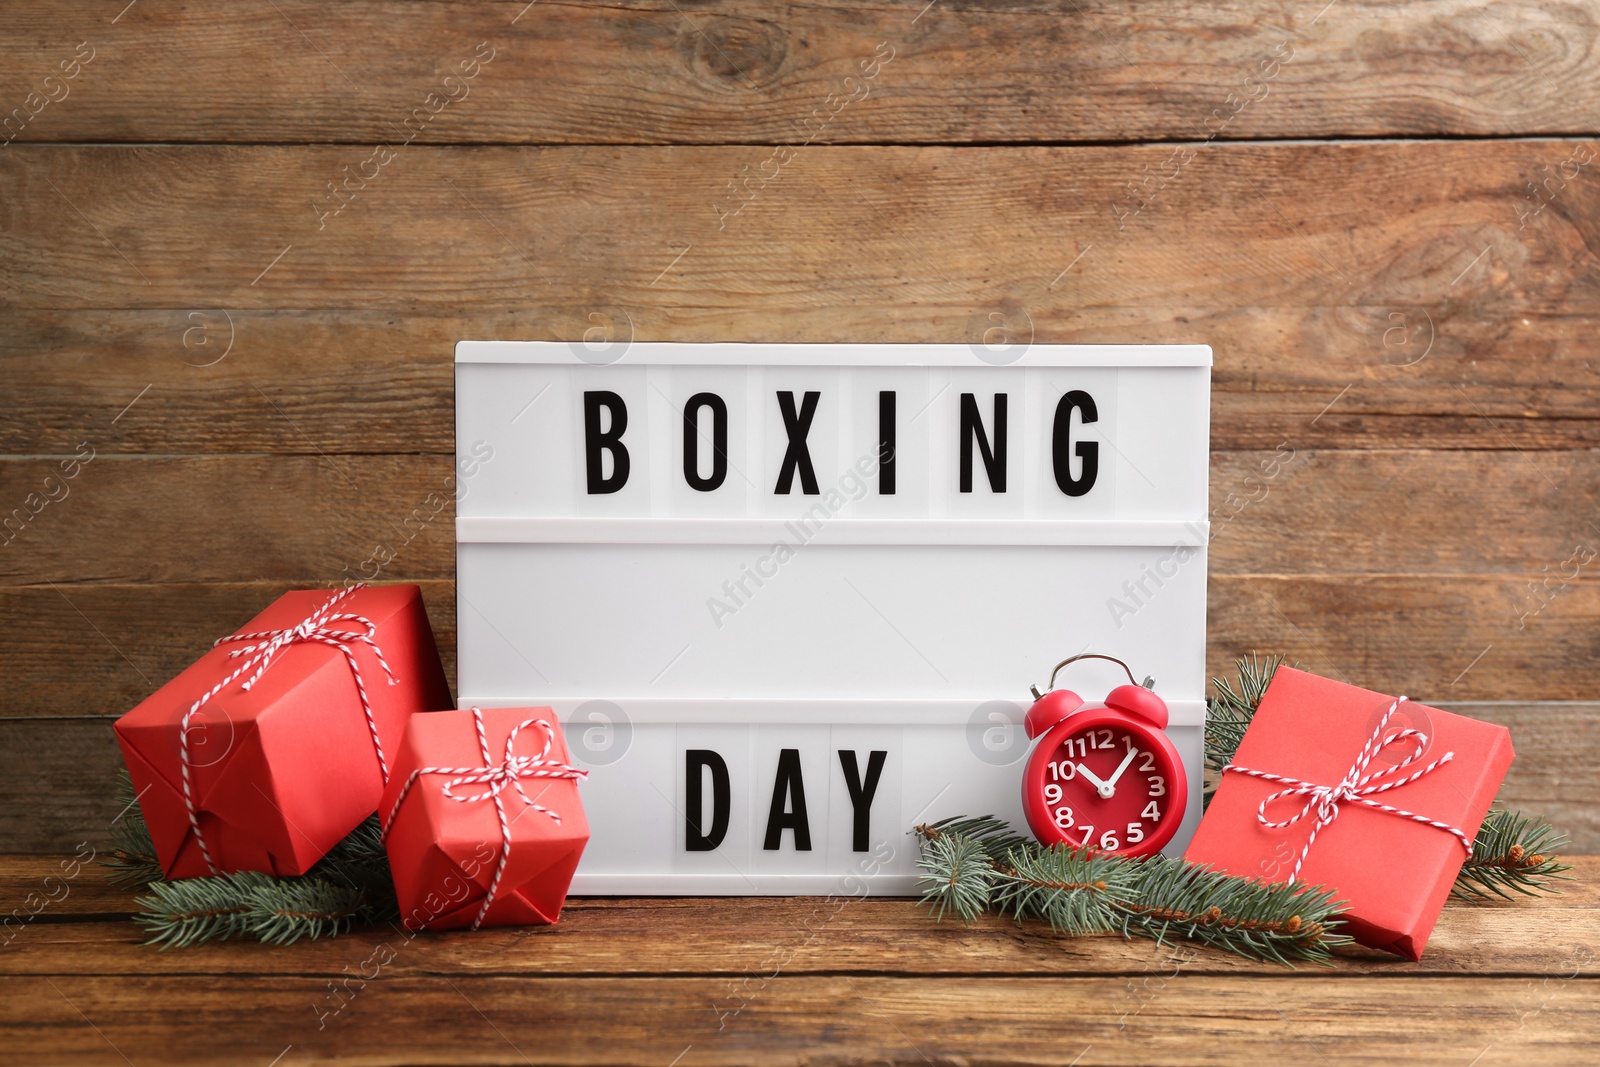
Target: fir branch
{"type": "Point", "coordinates": [360, 862]}
{"type": "Point", "coordinates": [1083, 891]}
{"type": "Point", "coordinates": [277, 911]}
{"type": "Point", "coordinates": [995, 835]}
{"type": "Point", "coordinates": [1228, 714]}
{"type": "Point", "coordinates": [1258, 920]}
{"type": "Point", "coordinates": [960, 876]}
{"type": "Point", "coordinates": [1512, 852]}
{"type": "Point", "coordinates": [351, 885]}
{"type": "Point", "coordinates": [1075, 890]}
{"type": "Point", "coordinates": [132, 859]}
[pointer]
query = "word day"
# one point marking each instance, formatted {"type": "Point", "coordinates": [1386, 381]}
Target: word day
{"type": "Point", "coordinates": [787, 812]}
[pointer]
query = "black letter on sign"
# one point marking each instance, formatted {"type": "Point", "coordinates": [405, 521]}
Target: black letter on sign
{"type": "Point", "coordinates": [886, 443]}
{"type": "Point", "coordinates": [994, 462]}
{"type": "Point", "coordinates": [798, 457]}
{"type": "Point", "coordinates": [788, 784]}
{"type": "Point", "coordinates": [597, 441]}
{"type": "Point", "coordinates": [695, 762]}
{"type": "Point", "coordinates": [691, 441]}
{"type": "Point", "coordinates": [861, 793]}
{"type": "Point", "coordinates": [1061, 441]}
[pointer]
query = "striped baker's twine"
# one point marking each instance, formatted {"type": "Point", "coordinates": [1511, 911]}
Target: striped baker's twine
{"type": "Point", "coordinates": [495, 777]}
{"type": "Point", "coordinates": [1357, 788]}
{"type": "Point", "coordinates": [323, 626]}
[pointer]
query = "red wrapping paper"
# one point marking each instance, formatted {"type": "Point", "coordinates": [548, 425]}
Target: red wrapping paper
{"type": "Point", "coordinates": [444, 853]}
{"type": "Point", "coordinates": [1395, 873]}
{"type": "Point", "coordinates": [283, 772]}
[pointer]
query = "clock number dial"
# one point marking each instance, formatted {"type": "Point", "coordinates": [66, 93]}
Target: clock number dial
{"type": "Point", "coordinates": [1063, 771]}
{"type": "Point", "coordinates": [1106, 775]}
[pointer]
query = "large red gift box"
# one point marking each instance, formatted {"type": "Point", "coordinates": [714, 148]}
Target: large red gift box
{"type": "Point", "coordinates": [262, 755]}
{"type": "Point", "coordinates": [482, 820]}
{"type": "Point", "coordinates": [1329, 788]}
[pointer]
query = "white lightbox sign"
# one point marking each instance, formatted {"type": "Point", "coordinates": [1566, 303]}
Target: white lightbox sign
{"type": "Point", "coordinates": [789, 599]}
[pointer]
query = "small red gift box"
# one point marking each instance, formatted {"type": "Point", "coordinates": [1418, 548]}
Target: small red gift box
{"type": "Point", "coordinates": [1374, 797]}
{"type": "Point", "coordinates": [269, 749]}
{"type": "Point", "coordinates": [482, 820]}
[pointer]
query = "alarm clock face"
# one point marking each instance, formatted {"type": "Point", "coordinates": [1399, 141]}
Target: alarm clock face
{"type": "Point", "coordinates": [1102, 779]}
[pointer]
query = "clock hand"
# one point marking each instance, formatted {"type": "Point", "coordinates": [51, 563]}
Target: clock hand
{"type": "Point", "coordinates": [1112, 781]}
{"type": "Point", "coordinates": [1103, 788]}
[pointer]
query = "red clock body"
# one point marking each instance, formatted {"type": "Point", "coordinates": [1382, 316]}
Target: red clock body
{"type": "Point", "coordinates": [1104, 776]}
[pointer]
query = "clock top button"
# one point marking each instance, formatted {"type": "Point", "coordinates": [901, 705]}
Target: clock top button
{"type": "Point", "coordinates": [1139, 701]}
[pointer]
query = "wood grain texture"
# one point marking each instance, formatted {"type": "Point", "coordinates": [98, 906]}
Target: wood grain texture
{"type": "Point", "coordinates": [809, 935]}
{"type": "Point", "coordinates": [345, 382]}
{"type": "Point", "coordinates": [88, 1019]}
{"type": "Point", "coordinates": [1440, 227]}
{"type": "Point", "coordinates": [58, 789]}
{"type": "Point", "coordinates": [741, 71]}
{"type": "Point", "coordinates": [130, 639]}
{"type": "Point", "coordinates": [782, 981]}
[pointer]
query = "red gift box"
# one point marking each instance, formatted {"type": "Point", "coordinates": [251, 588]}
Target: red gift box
{"type": "Point", "coordinates": [268, 750]}
{"type": "Point", "coordinates": [1374, 797]}
{"type": "Point", "coordinates": [482, 820]}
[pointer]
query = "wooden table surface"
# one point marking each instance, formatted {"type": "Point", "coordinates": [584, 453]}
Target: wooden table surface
{"type": "Point", "coordinates": [238, 241]}
{"type": "Point", "coordinates": [798, 981]}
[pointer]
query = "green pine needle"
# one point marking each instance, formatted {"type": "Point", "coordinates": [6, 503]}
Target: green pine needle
{"type": "Point", "coordinates": [1512, 852]}
{"type": "Point", "coordinates": [1258, 920]}
{"type": "Point", "coordinates": [1075, 890]}
{"type": "Point", "coordinates": [349, 886]}
{"type": "Point", "coordinates": [1228, 714]}
{"type": "Point", "coordinates": [277, 911]}
{"type": "Point", "coordinates": [960, 875]}
{"type": "Point", "coordinates": [995, 835]}
{"type": "Point", "coordinates": [132, 858]}
{"type": "Point", "coordinates": [1081, 892]}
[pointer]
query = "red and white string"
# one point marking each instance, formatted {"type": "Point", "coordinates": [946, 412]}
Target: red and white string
{"type": "Point", "coordinates": [495, 777]}
{"type": "Point", "coordinates": [322, 626]}
{"type": "Point", "coordinates": [1357, 787]}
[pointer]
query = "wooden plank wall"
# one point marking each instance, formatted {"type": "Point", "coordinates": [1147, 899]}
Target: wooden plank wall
{"type": "Point", "coordinates": [237, 242]}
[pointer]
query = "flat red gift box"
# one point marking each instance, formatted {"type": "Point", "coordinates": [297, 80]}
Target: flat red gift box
{"type": "Point", "coordinates": [1394, 871]}
{"type": "Point", "coordinates": [281, 772]}
{"type": "Point", "coordinates": [459, 858]}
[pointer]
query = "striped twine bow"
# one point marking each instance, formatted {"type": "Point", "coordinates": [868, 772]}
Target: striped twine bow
{"type": "Point", "coordinates": [1356, 788]}
{"type": "Point", "coordinates": [495, 777]}
{"type": "Point", "coordinates": [323, 626]}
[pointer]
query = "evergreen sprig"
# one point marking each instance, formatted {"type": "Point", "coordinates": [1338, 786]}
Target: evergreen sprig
{"type": "Point", "coordinates": [277, 911]}
{"type": "Point", "coordinates": [349, 886]}
{"type": "Point", "coordinates": [1076, 890]}
{"type": "Point", "coordinates": [1268, 921]}
{"type": "Point", "coordinates": [132, 858]}
{"type": "Point", "coordinates": [1514, 852]}
{"type": "Point", "coordinates": [1082, 891]}
{"type": "Point", "coordinates": [1228, 714]}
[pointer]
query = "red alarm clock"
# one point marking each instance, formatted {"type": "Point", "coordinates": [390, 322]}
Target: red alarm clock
{"type": "Point", "coordinates": [1104, 776]}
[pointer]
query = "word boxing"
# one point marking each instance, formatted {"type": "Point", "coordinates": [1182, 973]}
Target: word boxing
{"type": "Point", "coordinates": [605, 422]}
